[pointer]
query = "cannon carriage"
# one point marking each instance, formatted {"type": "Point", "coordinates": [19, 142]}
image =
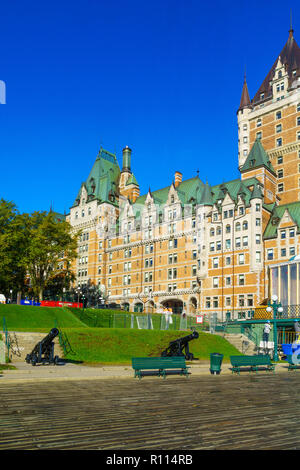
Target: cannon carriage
{"type": "Point", "coordinates": [43, 352]}
{"type": "Point", "coordinates": [177, 346]}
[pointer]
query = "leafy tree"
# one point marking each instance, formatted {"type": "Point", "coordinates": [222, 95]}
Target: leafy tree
{"type": "Point", "coordinates": [51, 250]}
{"type": "Point", "coordinates": [13, 243]}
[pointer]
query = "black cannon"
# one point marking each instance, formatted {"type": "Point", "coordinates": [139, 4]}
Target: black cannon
{"type": "Point", "coordinates": [43, 351]}
{"type": "Point", "coordinates": [176, 347]}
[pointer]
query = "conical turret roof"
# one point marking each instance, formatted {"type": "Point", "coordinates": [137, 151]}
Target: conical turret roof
{"type": "Point", "coordinates": [290, 58]}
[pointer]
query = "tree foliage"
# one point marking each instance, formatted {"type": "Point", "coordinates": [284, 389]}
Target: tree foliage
{"type": "Point", "coordinates": [36, 250]}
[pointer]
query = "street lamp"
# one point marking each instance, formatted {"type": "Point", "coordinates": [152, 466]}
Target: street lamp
{"type": "Point", "coordinates": [275, 307]}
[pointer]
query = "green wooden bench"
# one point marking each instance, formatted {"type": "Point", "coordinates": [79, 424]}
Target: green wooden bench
{"type": "Point", "coordinates": [160, 366]}
{"type": "Point", "coordinates": [292, 366]}
{"type": "Point", "coordinates": [251, 363]}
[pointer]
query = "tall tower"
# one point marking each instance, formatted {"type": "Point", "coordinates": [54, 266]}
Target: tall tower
{"type": "Point", "coordinates": [273, 116]}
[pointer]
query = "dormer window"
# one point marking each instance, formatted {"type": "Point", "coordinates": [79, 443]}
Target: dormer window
{"type": "Point", "coordinates": [172, 199]}
{"type": "Point", "coordinates": [252, 163]}
{"type": "Point", "coordinates": [279, 74]}
{"type": "Point", "coordinates": [262, 95]}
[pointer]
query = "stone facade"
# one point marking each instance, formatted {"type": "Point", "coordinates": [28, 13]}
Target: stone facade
{"type": "Point", "coordinates": [190, 246]}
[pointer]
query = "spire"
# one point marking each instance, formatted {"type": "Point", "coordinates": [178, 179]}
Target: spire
{"type": "Point", "coordinates": [291, 31]}
{"type": "Point", "coordinates": [245, 99]}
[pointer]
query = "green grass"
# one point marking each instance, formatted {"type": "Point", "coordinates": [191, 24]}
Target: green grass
{"type": "Point", "coordinates": [107, 345]}
{"type": "Point", "coordinates": [118, 346]}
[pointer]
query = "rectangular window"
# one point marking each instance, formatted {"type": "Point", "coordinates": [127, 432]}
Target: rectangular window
{"type": "Point", "coordinates": [241, 258]}
{"type": "Point", "coordinates": [257, 239]}
{"type": "Point", "coordinates": [215, 282]}
{"type": "Point", "coordinates": [292, 251]}
{"type": "Point", "coordinates": [278, 128]}
{"type": "Point", "coordinates": [257, 222]}
{"type": "Point", "coordinates": [280, 187]}
{"type": "Point", "coordinates": [283, 252]}
{"type": "Point", "coordinates": [245, 241]}
{"type": "Point", "coordinates": [215, 302]}
{"type": "Point", "coordinates": [258, 257]}
{"type": "Point", "coordinates": [238, 242]}
{"type": "Point", "coordinates": [280, 159]}
{"type": "Point", "coordinates": [270, 253]}
{"type": "Point", "coordinates": [207, 302]}
{"type": "Point", "coordinates": [279, 142]}
{"type": "Point", "coordinates": [278, 115]}
{"type": "Point", "coordinates": [215, 262]}
{"type": "Point", "coordinates": [228, 260]}
{"type": "Point", "coordinates": [283, 234]}
{"type": "Point", "coordinates": [228, 281]}
{"type": "Point", "coordinates": [280, 173]}
{"type": "Point", "coordinates": [241, 279]}
{"type": "Point", "coordinates": [292, 232]}
{"type": "Point", "coordinates": [228, 244]}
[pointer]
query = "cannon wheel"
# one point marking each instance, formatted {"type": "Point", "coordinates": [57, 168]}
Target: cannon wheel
{"type": "Point", "coordinates": [33, 360]}
{"type": "Point", "coordinates": [189, 356]}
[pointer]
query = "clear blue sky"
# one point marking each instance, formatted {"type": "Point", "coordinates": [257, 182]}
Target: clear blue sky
{"type": "Point", "coordinates": [163, 77]}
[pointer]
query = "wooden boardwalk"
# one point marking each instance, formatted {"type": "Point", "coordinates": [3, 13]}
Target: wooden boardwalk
{"type": "Point", "coordinates": [208, 412]}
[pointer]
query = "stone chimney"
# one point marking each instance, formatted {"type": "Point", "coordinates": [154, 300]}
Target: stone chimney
{"type": "Point", "coordinates": [178, 178]}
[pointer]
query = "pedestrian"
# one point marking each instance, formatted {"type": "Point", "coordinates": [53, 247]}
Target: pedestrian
{"type": "Point", "coordinates": [266, 331]}
{"type": "Point", "coordinates": [297, 330]}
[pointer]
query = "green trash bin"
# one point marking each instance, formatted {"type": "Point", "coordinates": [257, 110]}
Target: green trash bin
{"type": "Point", "coordinates": [215, 363]}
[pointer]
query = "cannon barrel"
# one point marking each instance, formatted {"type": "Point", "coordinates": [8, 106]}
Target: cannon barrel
{"type": "Point", "coordinates": [187, 338]}
{"type": "Point", "coordinates": [50, 337]}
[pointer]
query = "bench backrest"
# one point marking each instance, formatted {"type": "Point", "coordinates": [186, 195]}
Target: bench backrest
{"type": "Point", "coordinates": [158, 362]}
{"type": "Point", "coordinates": [259, 360]}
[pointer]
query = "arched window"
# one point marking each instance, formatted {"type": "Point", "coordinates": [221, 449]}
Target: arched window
{"type": "Point", "coordinates": [238, 227]}
{"type": "Point", "coordinates": [212, 232]}
{"type": "Point", "coordinates": [245, 225]}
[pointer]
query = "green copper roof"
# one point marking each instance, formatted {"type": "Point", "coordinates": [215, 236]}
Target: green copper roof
{"type": "Point", "coordinates": [256, 193]}
{"type": "Point", "coordinates": [188, 191]}
{"type": "Point", "coordinates": [103, 178]}
{"type": "Point", "coordinates": [278, 211]}
{"type": "Point", "coordinates": [257, 157]}
{"type": "Point", "coordinates": [234, 189]}
{"type": "Point", "coordinates": [206, 196]}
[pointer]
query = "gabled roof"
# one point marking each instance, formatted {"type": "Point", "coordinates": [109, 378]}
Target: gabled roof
{"type": "Point", "coordinates": [234, 189]}
{"type": "Point", "coordinates": [290, 57]}
{"type": "Point", "coordinates": [103, 178]}
{"type": "Point", "coordinates": [278, 211]}
{"type": "Point", "coordinates": [257, 157]}
{"type": "Point", "coordinates": [187, 191]}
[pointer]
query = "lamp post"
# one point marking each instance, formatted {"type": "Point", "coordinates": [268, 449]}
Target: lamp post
{"type": "Point", "coordinates": [275, 307]}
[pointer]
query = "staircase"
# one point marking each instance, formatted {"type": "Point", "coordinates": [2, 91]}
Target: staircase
{"type": "Point", "coordinates": [22, 344]}
{"type": "Point", "coordinates": [240, 342]}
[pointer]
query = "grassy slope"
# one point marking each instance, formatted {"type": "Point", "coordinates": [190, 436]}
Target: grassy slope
{"type": "Point", "coordinates": [107, 345]}
{"type": "Point", "coordinates": [120, 345]}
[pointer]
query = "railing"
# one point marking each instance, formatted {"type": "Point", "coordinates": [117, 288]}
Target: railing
{"type": "Point", "coordinates": [63, 340]}
{"type": "Point", "coordinates": [7, 337]}
{"type": "Point", "coordinates": [289, 311]}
